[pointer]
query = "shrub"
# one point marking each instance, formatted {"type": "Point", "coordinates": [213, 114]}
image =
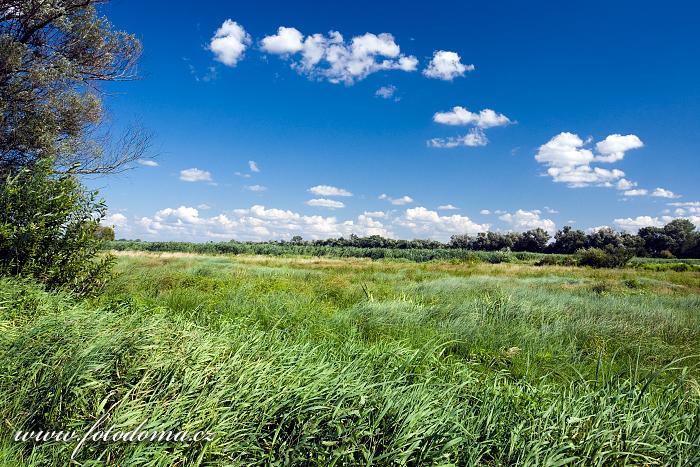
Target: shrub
{"type": "Point", "coordinates": [48, 225]}
{"type": "Point", "coordinates": [609, 257]}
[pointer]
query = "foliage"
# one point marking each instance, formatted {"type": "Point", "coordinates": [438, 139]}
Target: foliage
{"type": "Point", "coordinates": [52, 55]}
{"type": "Point", "coordinates": [48, 226]}
{"type": "Point", "coordinates": [608, 257]}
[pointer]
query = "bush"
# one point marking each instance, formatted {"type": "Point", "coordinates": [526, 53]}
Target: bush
{"type": "Point", "coordinates": [48, 225]}
{"type": "Point", "coordinates": [609, 257]}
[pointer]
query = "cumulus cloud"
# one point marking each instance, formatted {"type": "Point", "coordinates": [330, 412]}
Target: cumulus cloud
{"type": "Point", "coordinates": [375, 213]}
{"type": "Point", "coordinates": [229, 43]}
{"type": "Point", "coordinates": [286, 41]}
{"type": "Point", "coordinates": [325, 203]}
{"type": "Point", "coordinates": [446, 66]}
{"type": "Point", "coordinates": [486, 118]}
{"type": "Point", "coordinates": [386, 92]}
{"type": "Point", "coordinates": [695, 204]}
{"type": "Point", "coordinates": [195, 175]}
{"type": "Point", "coordinates": [485, 212]}
{"type": "Point", "coordinates": [522, 220]}
{"type": "Point", "coordinates": [147, 162]}
{"type": "Point", "coordinates": [256, 223]}
{"type": "Point", "coordinates": [328, 190]}
{"type": "Point", "coordinates": [475, 137]}
{"type": "Point", "coordinates": [117, 220]}
{"type": "Point", "coordinates": [661, 193]}
{"type": "Point", "coordinates": [447, 207]}
{"type": "Point", "coordinates": [636, 192]}
{"type": "Point", "coordinates": [332, 58]}
{"type": "Point", "coordinates": [568, 160]}
{"type": "Point", "coordinates": [632, 224]}
{"type": "Point", "coordinates": [396, 201]}
{"type": "Point", "coordinates": [255, 188]}
{"type": "Point", "coordinates": [425, 222]}
{"type": "Point", "coordinates": [253, 166]}
{"type": "Point", "coordinates": [613, 147]}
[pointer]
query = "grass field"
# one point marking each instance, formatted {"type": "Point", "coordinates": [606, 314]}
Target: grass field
{"type": "Point", "coordinates": [345, 361]}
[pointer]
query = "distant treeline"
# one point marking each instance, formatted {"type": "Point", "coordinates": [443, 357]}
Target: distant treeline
{"type": "Point", "coordinates": [678, 239]}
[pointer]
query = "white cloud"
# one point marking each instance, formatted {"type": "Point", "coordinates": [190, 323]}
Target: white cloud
{"type": "Point", "coordinates": [613, 147]}
{"type": "Point", "coordinates": [386, 92]}
{"type": "Point", "coordinates": [447, 207]}
{"type": "Point", "coordinates": [147, 162]}
{"type": "Point", "coordinates": [485, 212]}
{"type": "Point", "coordinates": [568, 160]}
{"type": "Point", "coordinates": [203, 206]}
{"type": "Point", "coordinates": [117, 220]}
{"type": "Point", "coordinates": [425, 222]}
{"type": "Point", "coordinates": [624, 184]}
{"type": "Point", "coordinates": [636, 192]}
{"type": "Point", "coordinates": [195, 175]}
{"type": "Point", "coordinates": [328, 190]}
{"type": "Point", "coordinates": [661, 193]}
{"type": "Point", "coordinates": [446, 66]}
{"type": "Point", "coordinates": [332, 58]}
{"type": "Point", "coordinates": [255, 188]}
{"type": "Point", "coordinates": [253, 166]}
{"type": "Point", "coordinates": [286, 41]}
{"type": "Point", "coordinates": [325, 203]}
{"type": "Point", "coordinates": [633, 224]}
{"type": "Point", "coordinates": [240, 174]}
{"type": "Point", "coordinates": [475, 137]}
{"type": "Point", "coordinates": [695, 204]}
{"type": "Point", "coordinates": [396, 201]}
{"type": "Point", "coordinates": [592, 230]}
{"type": "Point", "coordinates": [522, 220]}
{"type": "Point", "coordinates": [486, 118]}
{"type": "Point", "coordinates": [375, 213]}
{"type": "Point", "coordinates": [256, 223]}
{"type": "Point", "coordinates": [550, 210]}
{"type": "Point", "coordinates": [229, 43]}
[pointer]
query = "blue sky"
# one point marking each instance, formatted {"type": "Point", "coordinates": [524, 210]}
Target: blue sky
{"type": "Point", "coordinates": [517, 114]}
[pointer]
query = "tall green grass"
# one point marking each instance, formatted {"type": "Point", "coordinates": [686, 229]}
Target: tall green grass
{"type": "Point", "coordinates": [348, 362]}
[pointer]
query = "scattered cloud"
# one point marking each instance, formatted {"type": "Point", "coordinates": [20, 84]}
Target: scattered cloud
{"type": "Point", "coordinates": [328, 190]}
{"type": "Point", "coordinates": [256, 223]}
{"type": "Point", "coordinates": [549, 210]}
{"type": "Point", "coordinates": [422, 221]}
{"type": "Point", "coordinates": [568, 160]}
{"type": "Point", "coordinates": [636, 192]}
{"type": "Point", "coordinates": [241, 174]}
{"type": "Point", "coordinates": [332, 58]}
{"type": "Point", "coordinates": [613, 147]}
{"type": "Point", "coordinates": [694, 204]}
{"type": "Point", "coordinates": [195, 175]}
{"type": "Point", "coordinates": [446, 66]}
{"type": "Point", "coordinates": [624, 184]}
{"type": "Point", "coordinates": [286, 41]}
{"type": "Point", "coordinates": [386, 92]}
{"type": "Point", "coordinates": [147, 162]}
{"type": "Point", "coordinates": [396, 201]}
{"type": "Point", "coordinates": [486, 118]}
{"type": "Point", "coordinates": [255, 188]}
{"type": "Point", "coordinates": [447, 207]}
{"type": "Point", "coordinates": [485, 212]}
{"type": "Point", "coordinates": [203, 206]}
{"type": "Point", "coordinates": [229, 43]}
{"type": "Point", "coordinates": [592, 230]}
{"type": "Point", "coordinates": [325, 203]}
{"type": "Point", "coordinates": [661, 193]}
{"type": "Point", "coordinates": [475, 137]}
{"type": "Point", "coordinates": [253, 166]}
{"type": "Point", "coordinates": [522, 220]}
{"type": "Point", "coordinates": [631, 224]}
{"type": "Point", "coordinates": [375, 213]}
{"type": "Point", "coordinates": [117, 220]}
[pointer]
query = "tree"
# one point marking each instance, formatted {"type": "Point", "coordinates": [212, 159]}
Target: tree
{"type": "Point", "coordinates": [568, 241]}
{"type": "Point", "coordinates": [603, 237]}
{"type": "Point", "coordinates": [682, 234]}
{"type": "Point", "coordinates": [103, 232]}
{"type": "Point", "coordinates": [53, 54]}
{"type": "Point", "coordinates": [656, 240]}
{"type": "Point", "coordinates": [48, 226]}
{"type": "Point", "coordinates": [534, 240]}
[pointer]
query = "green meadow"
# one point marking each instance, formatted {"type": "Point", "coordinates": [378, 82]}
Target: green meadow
{"type": "Point", "coordinates": [355, 361]}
